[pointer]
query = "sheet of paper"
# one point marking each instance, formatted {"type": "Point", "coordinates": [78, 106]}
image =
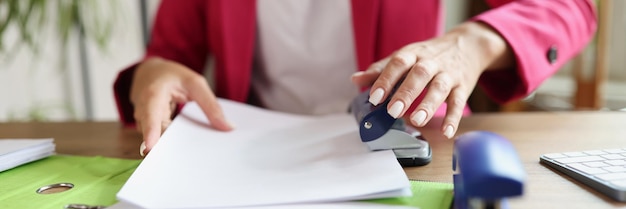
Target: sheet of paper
{"type": "Point", "coordinates": [270, 158]}
{"type": "Point", "coordinates": [16, 152]}
{"type": "Point", "coordinates": [338, 205]}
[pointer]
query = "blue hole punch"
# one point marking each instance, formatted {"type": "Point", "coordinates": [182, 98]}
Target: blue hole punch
{"type": "Point", "coordinates": [487, 171]}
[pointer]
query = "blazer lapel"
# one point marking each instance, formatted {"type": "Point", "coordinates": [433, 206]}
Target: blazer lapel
{"type": "Point", "coordinates": [364, 22]}
{"type": "Point", "coordinates": [232, 29]}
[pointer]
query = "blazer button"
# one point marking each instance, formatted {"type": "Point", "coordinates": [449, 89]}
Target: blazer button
{"type": "Point", "coordinates": [552, 54]}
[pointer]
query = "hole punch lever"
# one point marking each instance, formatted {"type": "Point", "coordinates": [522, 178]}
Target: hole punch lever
{"type": "Point", "coordinates": [379, 131]}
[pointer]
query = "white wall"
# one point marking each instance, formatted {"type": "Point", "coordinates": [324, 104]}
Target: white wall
{"type": "Point", "coordinates": [125, 48]}
{"type": "Point", "coordinates": [41, 84]}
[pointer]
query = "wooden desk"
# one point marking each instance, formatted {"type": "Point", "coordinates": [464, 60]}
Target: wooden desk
{"type": "Point", "coordinates": [81, 138]}
{"type": "Point", "coordinates": [532, 134]}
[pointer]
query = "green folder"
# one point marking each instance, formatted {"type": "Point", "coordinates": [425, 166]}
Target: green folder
{"type": "Point", "coordinates": [96, 180]}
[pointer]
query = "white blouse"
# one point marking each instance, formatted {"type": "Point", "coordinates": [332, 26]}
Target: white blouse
{"type": "Point", "coordinates": [304, 56]}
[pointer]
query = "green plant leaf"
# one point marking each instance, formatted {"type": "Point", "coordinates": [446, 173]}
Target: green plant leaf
{"type": "Point", "coordinates": [30, 17]}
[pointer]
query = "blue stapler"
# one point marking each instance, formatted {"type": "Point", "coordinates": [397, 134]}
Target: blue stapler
{"type": "Point", "coordinates": [487, 171]}
{"type": "Point", "coordinates": [380, 131]}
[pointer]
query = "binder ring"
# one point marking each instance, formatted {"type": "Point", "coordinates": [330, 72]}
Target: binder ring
{"type": "Point", "coordinates": [55, 188]}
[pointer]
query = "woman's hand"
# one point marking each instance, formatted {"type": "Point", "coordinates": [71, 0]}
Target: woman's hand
{"type": "Point", "coordinates": [447, 67]}
{"type": "Point", "coordinates": [157, 86]}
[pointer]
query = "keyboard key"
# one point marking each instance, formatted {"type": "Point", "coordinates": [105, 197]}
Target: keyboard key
{"type": "Point", "coordinates": [596, 164]}
{"type": "Point", "coordinates": [613, 156]}
{"type": "Point", "coordinates": [616, 162]}
{"type": "Point", "coordinates": [612, 176]}
{"type": "Point", "coordinates": [586, 169]}
{"type": "Point", "coordinates": [595, 152]}
{"type": "Point", "coordinates": [574, 154]}
{"type": "Point", "coordinates": [579, 159]}
{"type": "Point", "coordinates": [615, 169]}
{"type": "Point", "coordinates": [555, 155]}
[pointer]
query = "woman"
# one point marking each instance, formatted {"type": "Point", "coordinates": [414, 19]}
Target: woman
{"type": "Point", "coordinates": [279, 55]}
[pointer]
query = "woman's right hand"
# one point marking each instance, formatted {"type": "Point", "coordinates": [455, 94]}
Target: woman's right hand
{"type": "Point", "coordinates": [157, 86]}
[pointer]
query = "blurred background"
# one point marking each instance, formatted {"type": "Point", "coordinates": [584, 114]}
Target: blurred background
{"type": "Point", "coordinates": [59, 58]}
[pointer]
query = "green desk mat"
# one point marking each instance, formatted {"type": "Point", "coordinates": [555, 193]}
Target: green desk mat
{"type": "Point", "coordinates": [97, 179]}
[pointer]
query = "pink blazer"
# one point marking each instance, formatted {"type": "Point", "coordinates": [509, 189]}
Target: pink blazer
{"type": "Point", "coordinates": [543, 35]}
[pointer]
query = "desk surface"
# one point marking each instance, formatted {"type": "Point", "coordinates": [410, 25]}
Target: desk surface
{"type": "Point", "coordinates": [532, 134]}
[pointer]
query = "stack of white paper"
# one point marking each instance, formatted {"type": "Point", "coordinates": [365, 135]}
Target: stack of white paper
{"type": "Point", "coordinates": [15, 152]}
{"type": "Point", "coordinates": [333, 205]}
{"type": "Point", "coordinates": [270, 158]}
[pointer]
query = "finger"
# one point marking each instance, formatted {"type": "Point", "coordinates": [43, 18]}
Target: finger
{"type": "Point", "coordinates": [151, 123]}
{"type": "Point", "coordinates": [150, 109]}
{"type": "Point", "coordinates": [199, 91]}
{"type": "Point", "coordinates": [412, 86]}
{"type": "Point", "coordinates": [169, 112]}
{"type": "Point", "coordinates": [456, 104]}
{"type": "Point", "coordinates": [394, 71]}
{"type": "Point", "coordinates": [138, 124]}
{"type": "Point", "coordinates": [166, 120]}
{"type": "Point", "coordinates": [151, 140]}
{"type": "Point", "coordinates": [151, 130]}
{"type": "Point", "coordinates": [437, 91]}
{"type": "Point", "coordinates": [368, 77]}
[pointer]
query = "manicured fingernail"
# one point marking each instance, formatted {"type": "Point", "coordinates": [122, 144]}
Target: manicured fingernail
{"type": "Point", "coordinates": [419, 117]}
{"type": "Point", "coordinates": [231, 124]}
{"type": "Point", "coordinates": [142, 148]}
{"type": "Point", "coordinates": [377, 96]}
{"type": "Point", "coordinates": [396, 109]}
{"type": "Point", "coordinates": [358, 74]}
{"type": "Point", "coordinates": [449, 132]}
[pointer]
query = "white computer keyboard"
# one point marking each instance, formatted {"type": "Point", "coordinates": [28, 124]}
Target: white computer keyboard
{"type": "Point", "coordinates": [602, 170]}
